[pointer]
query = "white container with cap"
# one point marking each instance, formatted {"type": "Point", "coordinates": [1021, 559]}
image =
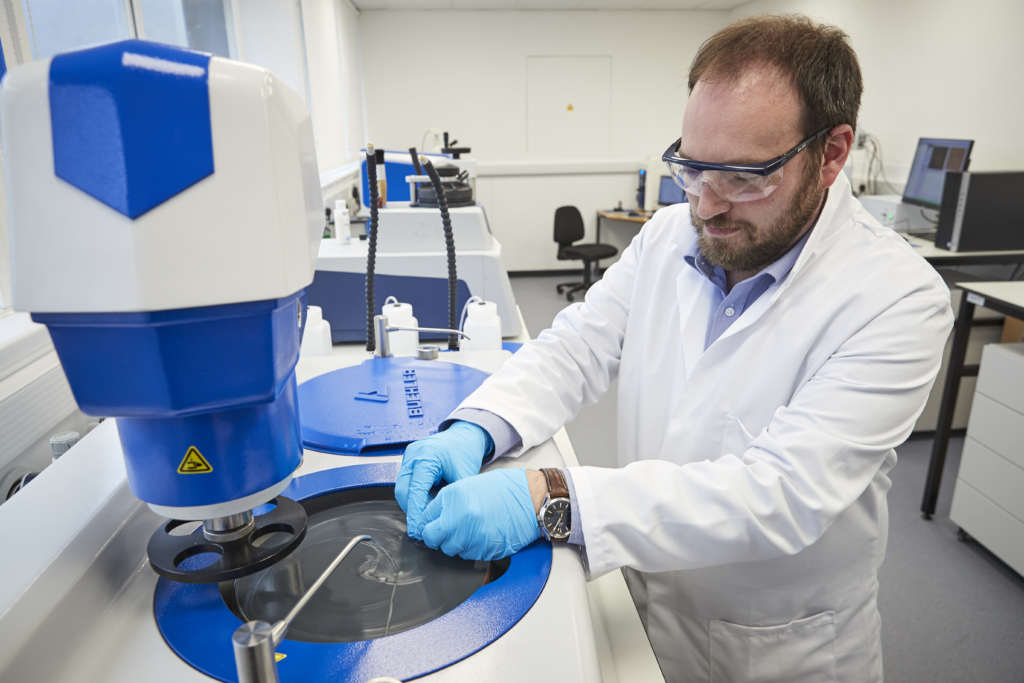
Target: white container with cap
{"type": "Point", "coordinates": [342, 222]}
{"type": "Point", "coordinates": [62, 443]}
{"type": "Point", "coordinates": [316, 339]}
{"type": "Point", "coordinates": [483, 327]}
{"type": "Point", "coordinates": [400, 315]}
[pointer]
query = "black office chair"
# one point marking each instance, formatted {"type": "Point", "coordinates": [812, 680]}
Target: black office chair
{"type": "Point", "coordinates": [568, 229]}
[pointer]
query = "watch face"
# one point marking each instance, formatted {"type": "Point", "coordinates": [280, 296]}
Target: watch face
{"type": "Point", "coordinates": [558, 518]}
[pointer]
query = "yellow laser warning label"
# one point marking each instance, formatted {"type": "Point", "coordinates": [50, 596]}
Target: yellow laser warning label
{"type": "Point", "coordinates": [278, 656]}
{"type": "Point", "coordinates": [194, 463]}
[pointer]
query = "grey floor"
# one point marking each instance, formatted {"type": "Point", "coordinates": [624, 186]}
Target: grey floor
{"type": "Point", "coordinates": [951, 611]}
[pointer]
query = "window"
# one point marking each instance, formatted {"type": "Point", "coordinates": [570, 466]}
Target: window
{"type": "Point", "coordinates": [205, 25]}
{"type": "Point", "coordinates": [56, 26]}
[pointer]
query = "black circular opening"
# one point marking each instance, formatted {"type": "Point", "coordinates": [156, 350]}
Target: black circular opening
{"type": "Point", "coordinates": [364, 598]}
{"type": "Point", "coordinates": [197, 557]}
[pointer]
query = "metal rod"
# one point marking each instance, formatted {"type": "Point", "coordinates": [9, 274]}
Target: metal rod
{"type": "Point", "coordinates": [254, 643]}
{"type": "Point", "coordinates": [380, 333]}
{"type": "Point", "coordinates": [254, 653]}
{"type": "Point", "coordinates": [281, 627]}
{"type": "Point", "coordinates": [393, 328]}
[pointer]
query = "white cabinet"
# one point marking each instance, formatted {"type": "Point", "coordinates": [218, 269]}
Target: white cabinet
{"type": "Point", "coordinates": [988, 501]}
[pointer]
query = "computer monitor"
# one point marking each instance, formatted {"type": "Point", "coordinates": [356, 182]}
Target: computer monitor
{"type": "Point", "coordinates": [669, 192]}
{"type": "Point", "coordinates": [933, 159]}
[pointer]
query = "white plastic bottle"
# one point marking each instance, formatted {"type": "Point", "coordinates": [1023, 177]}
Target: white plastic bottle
{"type": "Point", "coordinates": [342, 223]}
{"type": "Point", "coordinates": [400, 315]}
{"type": "Point", "coordinates": [483, 327]}
{"type": "Point", "coordinates": [316, 340]}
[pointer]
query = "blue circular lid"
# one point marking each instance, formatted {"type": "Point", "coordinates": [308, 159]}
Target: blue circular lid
{"type": "Point", "coordinates": [197, 625]}
{"type": "Point", "coordinates": [379, 406]}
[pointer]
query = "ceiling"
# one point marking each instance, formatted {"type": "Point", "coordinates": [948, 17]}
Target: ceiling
{"type": "Point", "coordinates": [550, 4]}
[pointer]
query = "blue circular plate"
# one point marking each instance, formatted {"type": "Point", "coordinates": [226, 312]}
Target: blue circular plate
{"type": "Point", "coordinates": [379, 406]}
{"type": "Point", "coordinates": [197, 625]}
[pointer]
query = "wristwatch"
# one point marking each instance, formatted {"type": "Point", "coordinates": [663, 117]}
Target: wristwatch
{"type": "Point", "coordinates": [555, 516]}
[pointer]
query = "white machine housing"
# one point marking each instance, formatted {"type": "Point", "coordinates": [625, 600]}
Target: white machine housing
{"type": "Point", "coordinates": [410, 242]}
{"type": "Point", "coordinates": [202, 247]}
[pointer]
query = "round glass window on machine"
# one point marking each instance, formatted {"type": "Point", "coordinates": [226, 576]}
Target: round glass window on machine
{"type": "Point", "coordinates": [395, 609]}
{"type": "Point", "coordinates": [367, 596]}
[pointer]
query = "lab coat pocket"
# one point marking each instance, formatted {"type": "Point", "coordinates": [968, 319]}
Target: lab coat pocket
{"type": "Point", "coordinates": [736, 438]}
{"type": "Point", "coordinates": [802, 651]}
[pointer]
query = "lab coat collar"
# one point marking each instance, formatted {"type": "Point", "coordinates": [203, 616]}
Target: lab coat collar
{"type": "Point", "coordinates": [836, 214]}
{"type": "Point", "coordinates": [693, 308]}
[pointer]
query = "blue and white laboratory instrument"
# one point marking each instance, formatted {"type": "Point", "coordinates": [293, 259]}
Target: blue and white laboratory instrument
{"type": "Point", "coordinates": [164, 219]}
{"type": "Point", "coordinates": [164, 214]}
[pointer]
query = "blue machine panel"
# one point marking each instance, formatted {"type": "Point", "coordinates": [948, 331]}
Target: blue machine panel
{"type": "Point", "coordinates": [181, 362]}
{"type": "Point", "coordinates": [397, 167]}
{"type": "Point", "coordinates": [333, 292]}
{"type": "Point", "coordinates": [240, 452]}
{"type": "Point", "coordinates": [197, 625]}
{"type": "Point", "coordinates": [395, 173]}
{"type": "Point", "coordinates": [379, 406]}
{"type": "Point", "coordinates": [131, 122]}
{"type": "Point", "coordinates": [217, 379]}
{"type": "Point", "coordinates": [3, 63]}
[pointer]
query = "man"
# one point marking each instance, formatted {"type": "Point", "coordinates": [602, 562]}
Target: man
{"type": "Point", "coordinates": [773, 344]}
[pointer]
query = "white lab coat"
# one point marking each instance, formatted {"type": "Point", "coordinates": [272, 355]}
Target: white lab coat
{"type": "Point", "coordinates": [751, 494]}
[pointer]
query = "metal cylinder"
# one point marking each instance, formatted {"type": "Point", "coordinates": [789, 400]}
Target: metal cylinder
{"type": "Point", "coordinates": [230, 527]}
{"type": "Point", "coordinates": [427, 352]}
{"type": "Point", "coordinates": [254, 653]}
{"type": "Point", "coordinates": [380, 332]}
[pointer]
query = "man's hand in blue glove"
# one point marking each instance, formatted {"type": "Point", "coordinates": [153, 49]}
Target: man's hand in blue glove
{"type": "Point", "coordinates": [486, 517]}
{"type": "Point", "coordinates": [453, 454]}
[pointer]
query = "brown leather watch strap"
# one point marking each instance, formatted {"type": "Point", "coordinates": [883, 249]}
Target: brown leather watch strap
{"type": "Point", "coordinates": [557, 487]}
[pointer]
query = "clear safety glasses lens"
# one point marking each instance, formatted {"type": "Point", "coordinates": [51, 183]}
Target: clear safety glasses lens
{"type": "Point", "coordinates": [732, 186]}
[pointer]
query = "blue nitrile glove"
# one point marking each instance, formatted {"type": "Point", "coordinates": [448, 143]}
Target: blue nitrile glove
{"type": "Point", "coordinates": [486, 517]}
{"type": "Point", "coordinates": [453, 454]}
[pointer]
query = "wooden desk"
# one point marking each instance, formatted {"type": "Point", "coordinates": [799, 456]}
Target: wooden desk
{"type": "Point", "coordinates": [1003, 297]}
{"type": "Point", "coordinates": [620, 216]}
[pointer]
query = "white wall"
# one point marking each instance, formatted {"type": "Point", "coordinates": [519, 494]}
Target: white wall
{"type": "Point", "coordinates": [932, 68]}
{"type": "Point", "coordinates": [465, 72]}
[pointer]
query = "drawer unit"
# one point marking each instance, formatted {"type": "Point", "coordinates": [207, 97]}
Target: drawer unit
{"type": "Point", "coordinates": [1001, 376]}
{"type": "Point", "coordinates": [995, 476]}
{"type": "Point", "coordinates": [998, 428]}
{"type": "Point", "coordinates": [992, 526]}
{"type": "Point", "coordinates": [988, 500]}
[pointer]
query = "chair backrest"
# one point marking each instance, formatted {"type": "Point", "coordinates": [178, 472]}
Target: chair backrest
{"type": "Point", "coordinates": [568, 225]}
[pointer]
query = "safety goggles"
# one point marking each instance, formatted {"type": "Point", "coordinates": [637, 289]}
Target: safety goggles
{"type": "Point", "coordinates": [732, 182]}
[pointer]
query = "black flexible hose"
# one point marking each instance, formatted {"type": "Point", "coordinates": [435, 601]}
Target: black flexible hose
{"type": "Point", "coordinates": [419, 171]}
{"type": "Point", "coordinates": [449, 240]}
{"type": "Point", "coordinates": [371, 252]}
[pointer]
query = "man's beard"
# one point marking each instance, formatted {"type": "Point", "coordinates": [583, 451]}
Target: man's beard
{"type": "Point", "coordinates": [752, 248]}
